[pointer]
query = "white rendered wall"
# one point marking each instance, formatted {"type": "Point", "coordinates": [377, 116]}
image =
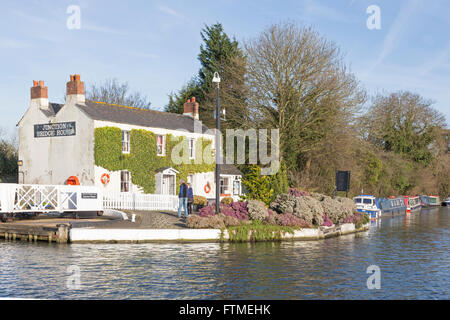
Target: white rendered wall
{"type": "Point", "coordinates": [51, 160]}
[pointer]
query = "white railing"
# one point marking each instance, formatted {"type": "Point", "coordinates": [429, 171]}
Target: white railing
{"type": "Point", "coordinates": [48, 198]}
{"type": "Point", "coordinates": [61, 198]}
{"type": "Point", "coordinates": [137, 201]}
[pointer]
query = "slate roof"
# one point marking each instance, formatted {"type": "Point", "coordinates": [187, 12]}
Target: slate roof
{"type": "Point", "coordinates": [230, 169]}
{"type": "Point", "coordinates": [165, 168]}
{"type": "Point", "coordinates": [137, 116]}
{"type": "Point", "coordinates": [53, 109]}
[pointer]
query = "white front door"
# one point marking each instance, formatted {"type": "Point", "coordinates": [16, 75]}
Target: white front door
{"type": "Point", "coordinates": [165, 184]}
{"type": "Point", "coordinates": [168, 184]}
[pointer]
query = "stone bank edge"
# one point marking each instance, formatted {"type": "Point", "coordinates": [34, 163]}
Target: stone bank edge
{"type": "Point", "coordinates": [92, 235]}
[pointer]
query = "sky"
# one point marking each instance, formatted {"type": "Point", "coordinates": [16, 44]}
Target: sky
{"type": "Point", "coordinates": [153, 45]}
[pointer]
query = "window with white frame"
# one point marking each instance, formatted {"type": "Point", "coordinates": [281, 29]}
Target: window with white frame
{"type": "Point", "coordinates": [160, 145]}
{"type": "Point", "coordinates": [224, 186]}
{"type": "Point", "coordinates": [190, 178]}
{"type": "Point", "coordinates": [191, 148]}
{"type": "Point", "coordinates": [125, 181]}
{"type": "Point", "coordinates": [125, 141]}
{"type": "Point", "coordinates": [236, 187]}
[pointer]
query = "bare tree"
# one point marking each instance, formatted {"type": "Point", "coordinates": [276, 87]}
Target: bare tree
{"type": "Point", "coordinates": [111, 91]}
{"type": "Point", "coordinates": [8, 157]}
{"type": "Point", "coordinates": [299, 84]}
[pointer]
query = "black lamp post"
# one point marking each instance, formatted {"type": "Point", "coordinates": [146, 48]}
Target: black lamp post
{"type": "Point", "coordinates": [216, 80]}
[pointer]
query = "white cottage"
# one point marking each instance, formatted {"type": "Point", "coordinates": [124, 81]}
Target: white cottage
{"type": "Point", "coordinates": [56, 143]}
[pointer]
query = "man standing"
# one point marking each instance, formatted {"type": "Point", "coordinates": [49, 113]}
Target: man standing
{"type": "Point", "coordinates": [183, 199]}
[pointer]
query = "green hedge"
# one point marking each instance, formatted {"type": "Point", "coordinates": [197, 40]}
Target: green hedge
{"type": "Point", "coordinates": [142, 160]}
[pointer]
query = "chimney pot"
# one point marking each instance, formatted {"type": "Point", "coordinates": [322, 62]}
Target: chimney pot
{"type": "Point", "coordinates": [75, 89]}
{"type": "Point", "coordinates": [191, 108]}
{"type": "Point", "coordinates": [38, 90]}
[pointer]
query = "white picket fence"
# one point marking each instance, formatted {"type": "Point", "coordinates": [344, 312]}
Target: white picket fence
{"type": "Point", "coordinates": [136, 201]}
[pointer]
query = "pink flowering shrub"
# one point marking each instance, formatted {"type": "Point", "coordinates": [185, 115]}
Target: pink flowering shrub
{"type": "Point", "coordinates": [207, 211]}
{"type": "Point", "coordinates": [297, 193]}
{"type": "Point", "coordinates": [326, 220]}
{"type": "Point", "coordinates": [289, 220]}
{"type": "Point", "coordinates": [356, 218]}
{"type": "Point", "coordinates": [236, 209]}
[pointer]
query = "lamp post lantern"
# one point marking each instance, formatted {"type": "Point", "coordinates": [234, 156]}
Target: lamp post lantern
{"type": "Point", "coordinates": [216, 80]}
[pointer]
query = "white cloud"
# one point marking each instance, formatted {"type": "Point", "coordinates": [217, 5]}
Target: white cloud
{"type": "Point", "coordinates": [315, 9]}
{"type": "Point", "coordinates": [96, 28]}
{"type": "Point", "coordinates": [29, 17]}
{"type": "Point", "coordinates": [144, 55]}
{"type": "Point", "coordinates": [441, 60]}
{"type": "Point", "coordinates": [172, 12]}
{"type": "Point", "coordinates": [6, 43]}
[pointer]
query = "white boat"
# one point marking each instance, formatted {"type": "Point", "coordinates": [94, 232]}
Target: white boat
{"type": "Point", "coordinates": [446, 202]}
{"type": "Point", "coordinates": [368, 204]}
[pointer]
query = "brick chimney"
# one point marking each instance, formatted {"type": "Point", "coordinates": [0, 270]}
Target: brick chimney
{"type": "Point", "coordinates": [39, 95]}
{"type": "Point", "coordinates": [75, 90]}
{"type": "Point", "coordinates": [191, 108]}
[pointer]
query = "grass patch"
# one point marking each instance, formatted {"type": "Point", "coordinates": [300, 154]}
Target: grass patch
{"type": "Point", "coordinates": [257, 231]}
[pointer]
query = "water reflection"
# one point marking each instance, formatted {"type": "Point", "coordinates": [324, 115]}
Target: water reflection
{"type": "Point", "coordinates": [412, 252]}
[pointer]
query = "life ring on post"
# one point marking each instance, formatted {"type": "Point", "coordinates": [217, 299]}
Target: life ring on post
{"type": "Point", "coordinates": [105, 179]}
{"type": "Point", "coordinates": [207, 187]}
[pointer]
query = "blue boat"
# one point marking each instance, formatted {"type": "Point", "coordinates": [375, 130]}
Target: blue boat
{"type": "Point", "coordinates": [391, 207]}
{"type": "Point", "coordinates": [380, 207]}
{"type": "Point", "coordinates": [368, 204]}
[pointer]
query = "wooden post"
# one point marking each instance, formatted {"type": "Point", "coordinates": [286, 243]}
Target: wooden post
{"type": "Point", "coordinates": [63, 233]}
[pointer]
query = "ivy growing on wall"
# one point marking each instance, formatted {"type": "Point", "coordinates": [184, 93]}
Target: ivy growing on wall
{"type": "Point", "coordinates": [142, 161]}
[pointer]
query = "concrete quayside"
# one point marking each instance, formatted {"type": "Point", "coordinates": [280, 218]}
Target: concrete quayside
{"type": "Point", "coordinates": [107, 230]}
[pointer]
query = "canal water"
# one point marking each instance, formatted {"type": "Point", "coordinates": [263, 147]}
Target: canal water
{"type": "Point", "coordinates": [412, 253]}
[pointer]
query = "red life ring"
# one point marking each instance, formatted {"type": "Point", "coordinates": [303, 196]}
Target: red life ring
{"type": "Point", "coordinates": [105, 178]}
{"type": "Point", "coordinates": [73, 181]}
{"type": "Point", "coordinates": [207, 188]}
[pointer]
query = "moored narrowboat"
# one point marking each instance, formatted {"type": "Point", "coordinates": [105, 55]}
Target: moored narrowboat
{"type": "Point", "coordinates": [434, 201]}
{"type": "Point", "coordinates": [368, 204]}
{"type": "Point", "coordinates": [392, 206]}
{"type": "Point", "coordinates": [412, 203]}
{"type": "Point", "coordinates": [424, 201]}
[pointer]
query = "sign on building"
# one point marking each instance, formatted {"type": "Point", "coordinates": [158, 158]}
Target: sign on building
{"type": "Point", "coordinates": [61, 129]}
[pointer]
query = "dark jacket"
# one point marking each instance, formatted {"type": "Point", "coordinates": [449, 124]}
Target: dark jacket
{"type": "Point", "coordinates": [183, 191]}
{"type": "Point", "coordinates": [190, 194]}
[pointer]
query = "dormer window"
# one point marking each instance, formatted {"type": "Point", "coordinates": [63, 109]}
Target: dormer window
{"type": "Point", "coordinates": [125, 141]}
